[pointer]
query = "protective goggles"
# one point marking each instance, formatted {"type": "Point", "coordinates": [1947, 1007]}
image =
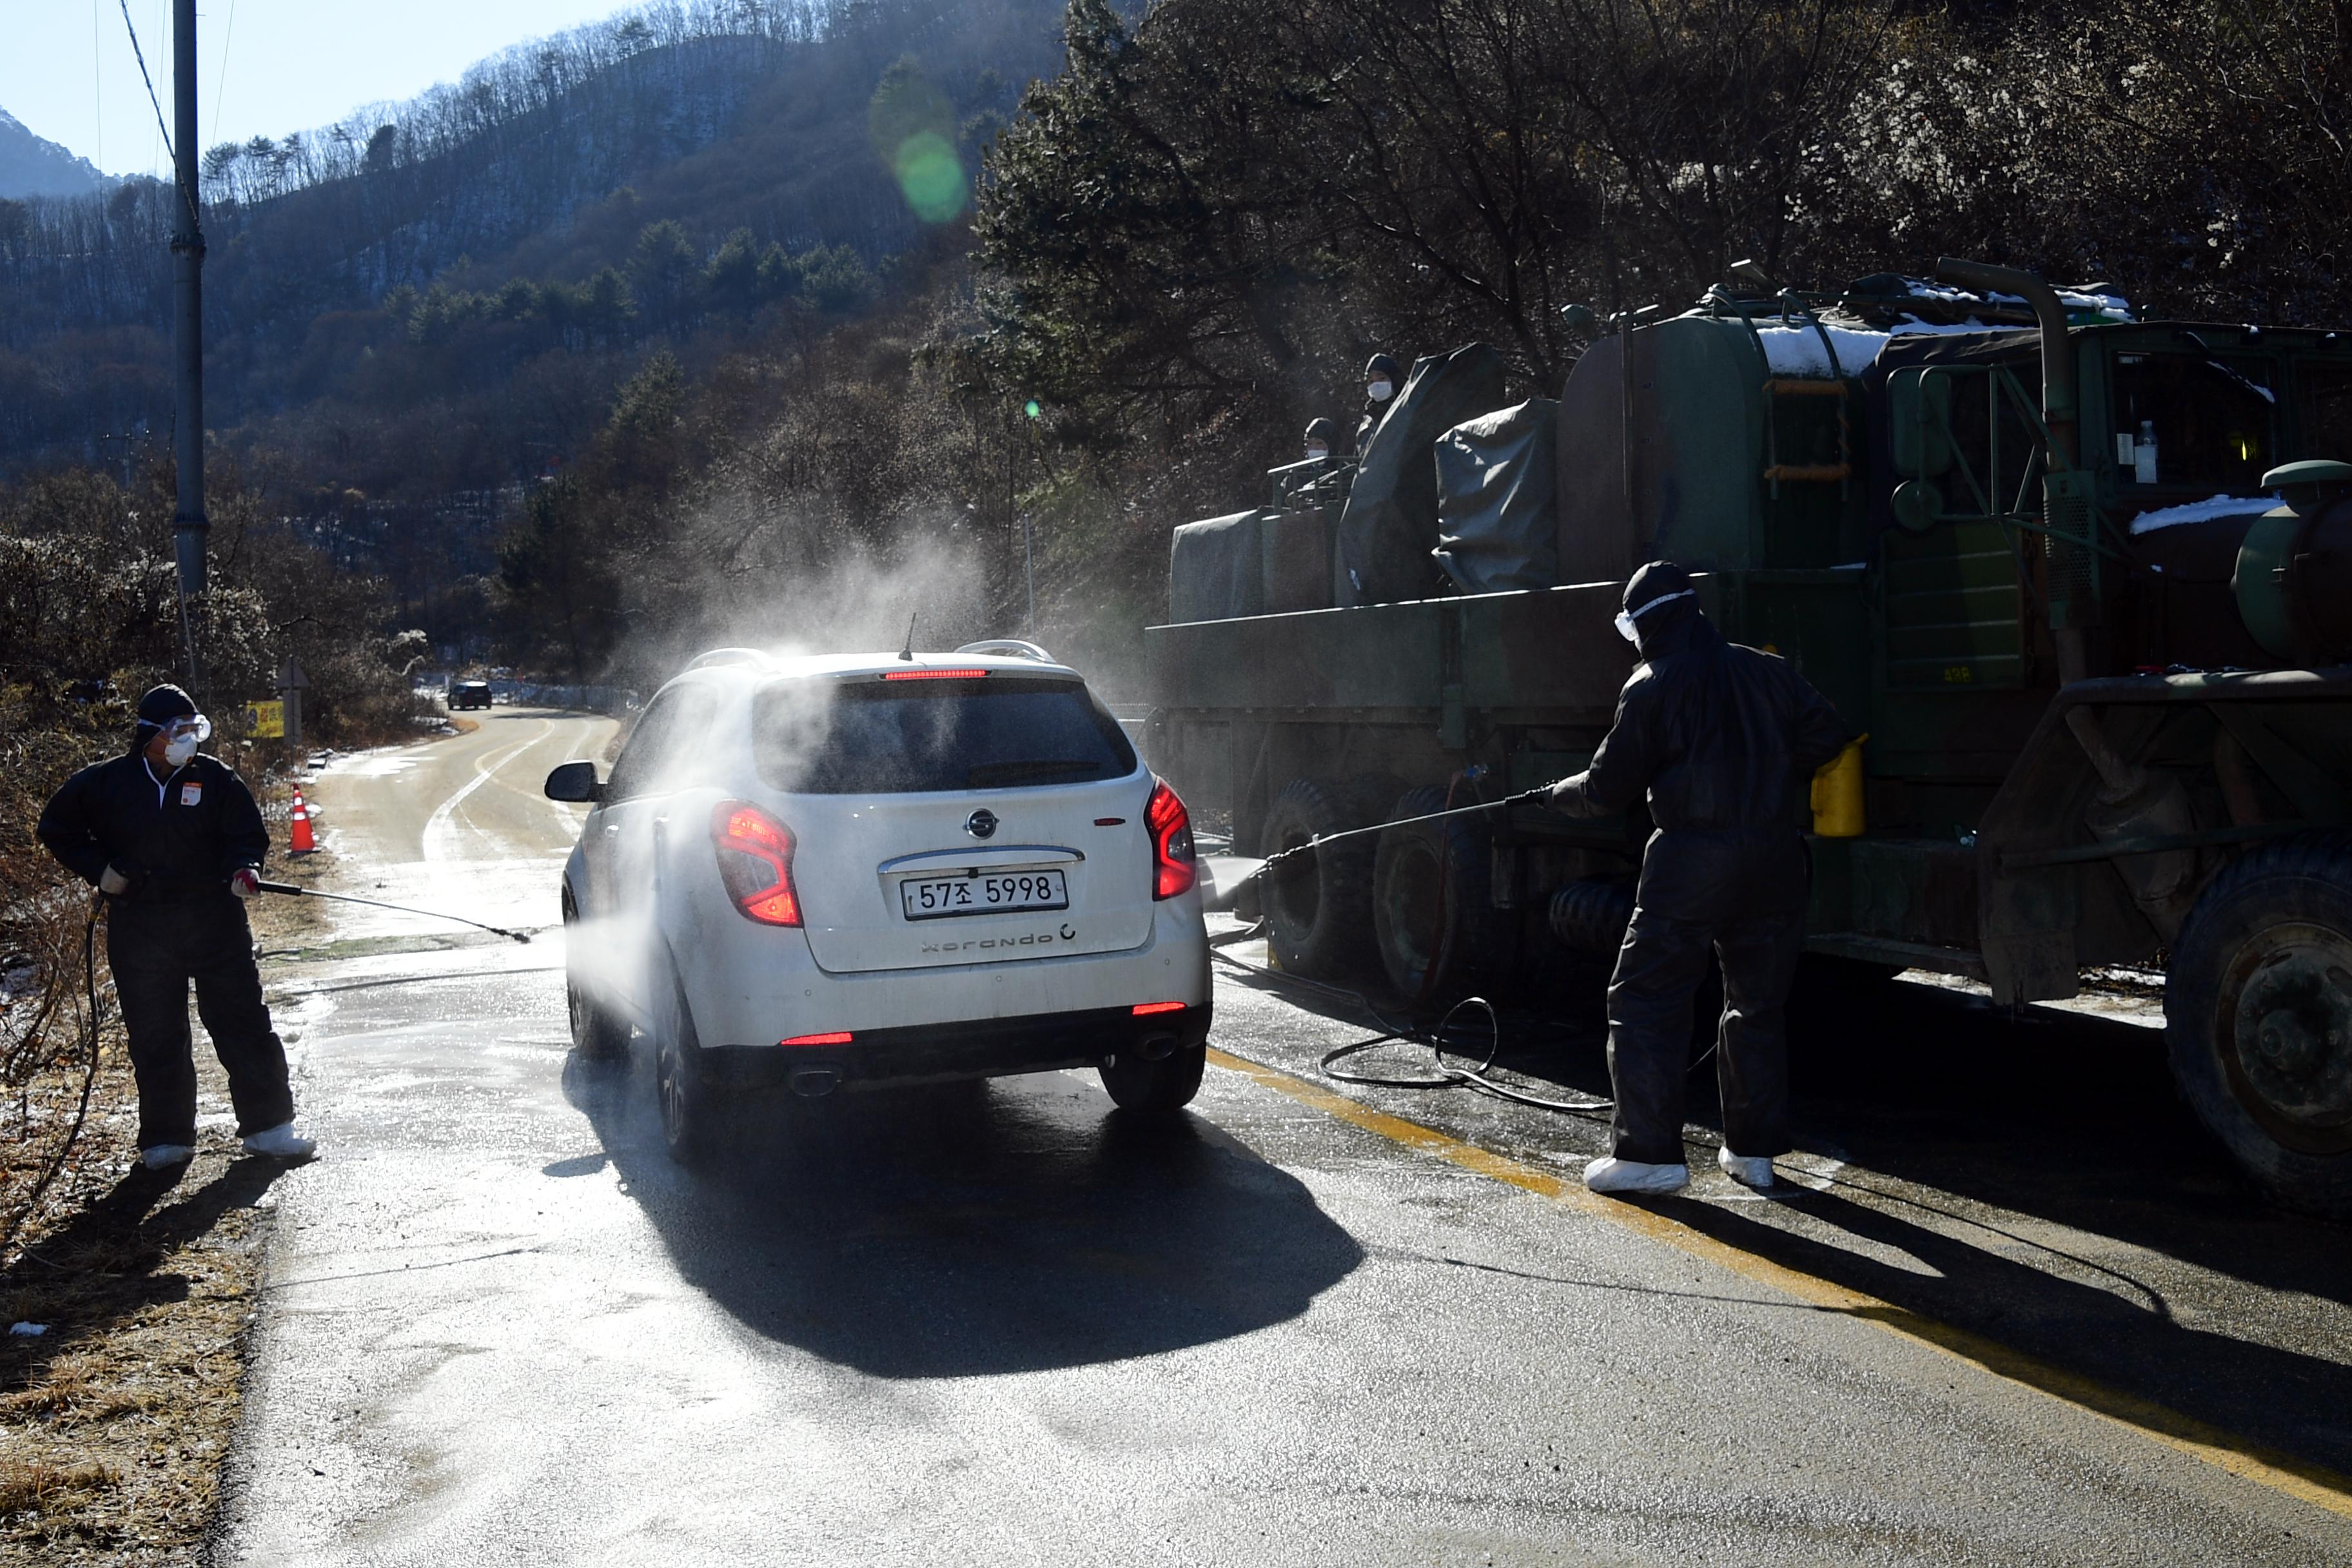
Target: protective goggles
{"type": "Point", "coordinates": [180, 729]}
{"type": "Point", "coordinates": [1625, 618]}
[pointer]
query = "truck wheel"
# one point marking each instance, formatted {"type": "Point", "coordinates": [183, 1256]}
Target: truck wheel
{"type": "Point", "coordinates": [1318, 907]}
{"type": "Point", "coordinates": [691, 1110]}
{"type": "Point", "coordinates": [1433, 914]}
{"type": "Point", "coordinates": [2258, 1017]}
{"type": "Point", "coordinates": [596, 1034]}
{"type": "Point", "coordinates": [1154, 1088]}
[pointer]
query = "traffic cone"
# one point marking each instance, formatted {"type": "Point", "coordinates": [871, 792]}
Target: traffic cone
{"type": "Point", "coordinates": [303, 843]}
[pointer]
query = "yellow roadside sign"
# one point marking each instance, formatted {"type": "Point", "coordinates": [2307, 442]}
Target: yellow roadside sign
{"type": "Point", "coordinates": [266, 720]}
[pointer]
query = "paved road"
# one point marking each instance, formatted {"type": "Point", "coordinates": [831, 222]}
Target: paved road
{"type": "Point", "coordinates": [2015, 1313]}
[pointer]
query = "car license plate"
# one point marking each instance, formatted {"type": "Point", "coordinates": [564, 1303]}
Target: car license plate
{"type": "Point", "coordinates": [982, 893]}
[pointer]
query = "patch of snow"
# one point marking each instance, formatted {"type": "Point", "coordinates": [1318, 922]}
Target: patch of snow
{"type": "Point", "coordinates": [2202, 512]}
{"type": "Point", "coordinates": [28, 1331]}
{"type": "Point", "coordinates": [1796, 350]}
{"type": "Point", "coordinates": [2106, 307]}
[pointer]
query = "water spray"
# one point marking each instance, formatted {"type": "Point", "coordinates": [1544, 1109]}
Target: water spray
{"type": "Point", "coordinates": [293, 890]}
{"type": "Point", "coordinates": [1225, 891]}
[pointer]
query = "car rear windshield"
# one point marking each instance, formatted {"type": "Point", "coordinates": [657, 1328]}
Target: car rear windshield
{"type": "Point", "coordinates": [864, 736]}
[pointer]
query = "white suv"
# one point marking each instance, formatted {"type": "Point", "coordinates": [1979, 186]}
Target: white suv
{"type": "Point", "coordinates": [849, 871]}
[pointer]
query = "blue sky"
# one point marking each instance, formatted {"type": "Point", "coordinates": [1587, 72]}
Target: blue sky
{"type": "Point", "coordinates": [267, 67]}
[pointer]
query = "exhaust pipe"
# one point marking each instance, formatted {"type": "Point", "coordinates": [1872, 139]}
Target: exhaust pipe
{"type": "Point", "coordinates": [2072, 580]}
{"type": "Point", "coordinates": [816, 1083]}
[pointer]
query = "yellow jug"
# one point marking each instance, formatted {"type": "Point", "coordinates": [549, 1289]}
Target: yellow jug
{"type": "Point", "coordinates": [1837, 794]}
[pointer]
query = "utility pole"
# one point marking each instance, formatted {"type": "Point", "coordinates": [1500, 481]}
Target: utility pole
{"type": "Point", "coordinates": [189, 524]}
{"type": "Point", "coordinates": [1029, 574]}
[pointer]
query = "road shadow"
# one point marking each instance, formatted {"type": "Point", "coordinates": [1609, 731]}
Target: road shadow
{"type": "Point", "coordinates": [2065, 1118]}
{"type": "Point", "coordinates": [1012, 1227]}
{"type": "Point", "coordinates": [2122, 1335]}
{"type": "Point", "coordinates": [107, 1263]}
{"type": "Point", "coordinates": [1941, 1107]}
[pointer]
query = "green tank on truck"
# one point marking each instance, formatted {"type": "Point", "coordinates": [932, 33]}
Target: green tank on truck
{"type": "Point", "coordinates": [2085, 582]}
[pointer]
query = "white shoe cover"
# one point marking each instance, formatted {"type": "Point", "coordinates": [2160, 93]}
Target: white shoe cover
{"type": "Point", "coordinates": [1611, 1175]}
{"type": "Point", "coordinates": [280, 1142]}
{"type": "Point", "coordinates": [164, 1155]}
{"type": "Point", "coordinates": [1749, 1170]}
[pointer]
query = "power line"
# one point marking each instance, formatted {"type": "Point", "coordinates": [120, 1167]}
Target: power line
{"type": "Point", "coordinates": [186, 195]}
{"type": "Point", "coordinates": [98, 84]}
{"type": "Point", "coordinates": [220, 82]}
{"type": "Point", "coordinates": [141, 56]}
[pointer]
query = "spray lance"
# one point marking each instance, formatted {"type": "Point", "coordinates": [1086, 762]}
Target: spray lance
{"type": "Point", "coordinates": [1226, 890]}
{"type": "Point", "coordinates": [293, 890]}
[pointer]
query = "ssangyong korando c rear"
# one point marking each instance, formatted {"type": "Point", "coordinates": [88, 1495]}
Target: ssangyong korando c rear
{"type": "Point", "coordinates": [845, 872]}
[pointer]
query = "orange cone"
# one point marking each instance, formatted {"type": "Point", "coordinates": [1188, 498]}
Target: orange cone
{"type": "Point", "coordinates": [303, 843]}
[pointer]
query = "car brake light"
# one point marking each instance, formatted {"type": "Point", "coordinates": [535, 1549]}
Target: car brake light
{"type": "Point", "coordinates": [1143, 1009]}
{"type": "Point", "coordinates": [1173, 867]}
{"type": "Point", "coordinates": [755, 862]}
{"type": "Point", "coordinates": [935, 674]}
{"type": "Point", "coordinates": [838, 1037]}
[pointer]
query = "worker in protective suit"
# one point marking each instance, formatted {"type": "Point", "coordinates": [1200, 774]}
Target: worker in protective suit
{"type": "Point", "coordinates": [175, 843]}
{"type": "Point", "coordinates": [1717, 735]}
{"type": "Point", "coordinates": [1382, 378]}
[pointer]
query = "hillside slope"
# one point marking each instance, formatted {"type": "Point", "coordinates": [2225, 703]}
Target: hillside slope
{"type": "Point", "coordinates": [568, 200]}
{"type": "Point", "coordinates": [33, 165]}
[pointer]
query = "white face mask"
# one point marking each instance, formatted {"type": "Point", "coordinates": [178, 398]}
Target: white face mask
{"type": "Point", "coordinates": [1625, 620]}
{"type": "Point", "coordinates": [1317, 453]}
{"type": "Point", "coordinates": [1379, 391]}
{"type": "Point", "coordinates": [186, 736]}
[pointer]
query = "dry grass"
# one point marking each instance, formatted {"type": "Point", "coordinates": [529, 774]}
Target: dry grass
{"type": "Point", "coordinates": [113, 1424]}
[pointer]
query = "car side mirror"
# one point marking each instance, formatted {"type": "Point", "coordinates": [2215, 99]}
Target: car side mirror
{"type": "Point", "coordinates": [574, 782]}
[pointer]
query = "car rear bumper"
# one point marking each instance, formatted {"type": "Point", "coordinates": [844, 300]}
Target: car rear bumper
{"type": "Point", "coordinates": [938, 1053]}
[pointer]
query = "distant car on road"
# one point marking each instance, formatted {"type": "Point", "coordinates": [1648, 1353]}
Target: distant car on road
{"type": "Point", "coordinates": [846, 872]}
{"type": "Point", "coordinates": [470, 694]}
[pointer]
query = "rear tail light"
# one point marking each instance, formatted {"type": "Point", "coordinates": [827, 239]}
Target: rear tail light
{"type": "Point", "coordinates": [936, 675]}
{"type": "Point", "coordinates": [1173, 867]}
{"type": "Point", "coordinates": [836, 1038]}
{"type": "Point", "coordinates": [1144, 1009]}
{"type": "Point", "coordinates": [755, 862]}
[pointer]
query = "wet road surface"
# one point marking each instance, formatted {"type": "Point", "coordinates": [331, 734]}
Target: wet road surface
{"type": "Point", "coordinates": [2016, 1311]}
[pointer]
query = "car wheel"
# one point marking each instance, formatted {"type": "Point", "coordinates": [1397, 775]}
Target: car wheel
{"type": "Point", "coordinates": [596, 1034]}
{"type": "Point", "coordinates": [1154, 1088]}
{"type": "Point", "coordinates": [691, 1111]}
{"type": "Point", "coordinates": [2258, 1017]}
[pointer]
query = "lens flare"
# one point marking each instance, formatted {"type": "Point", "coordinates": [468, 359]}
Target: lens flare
{"type": "Point", "coordinates": [930, 177]}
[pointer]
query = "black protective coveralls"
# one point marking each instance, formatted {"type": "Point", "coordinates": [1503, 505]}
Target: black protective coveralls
{"type": "Point", "coordinates": [177, 836]}
{"type": "Point", "coordinates": [1719, 735]}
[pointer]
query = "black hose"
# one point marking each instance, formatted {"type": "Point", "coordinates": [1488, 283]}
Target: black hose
{"type": "Point", "coordinates": [1445, 1075]}
{"type": "Point", "coordinates": [292, 890]}
{"type": "Point", "coordinates": [90, 1027]}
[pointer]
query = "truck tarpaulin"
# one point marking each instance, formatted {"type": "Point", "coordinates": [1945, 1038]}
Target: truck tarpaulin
{"type": "Point", "coordinates": [1215, 570]}
{"type": "Point", "coordinates": [1389, 525]}
{"type": "Point", "coordinates": [1498, 507]}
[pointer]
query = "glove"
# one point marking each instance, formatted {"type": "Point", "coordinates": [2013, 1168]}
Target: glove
{"type": "Point", "coordinates": [245, 881]}
{"type": "Point", "coordinates": [1567, 790]}
{"type": "Point", "coordinates": [113, 883]}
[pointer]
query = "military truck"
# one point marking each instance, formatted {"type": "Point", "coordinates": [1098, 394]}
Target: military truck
{"type": "Point", "coordinates": [2083, 580]}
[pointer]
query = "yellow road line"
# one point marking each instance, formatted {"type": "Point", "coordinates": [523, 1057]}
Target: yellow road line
{"type": "Point", "coordinates": [2299, 1478]}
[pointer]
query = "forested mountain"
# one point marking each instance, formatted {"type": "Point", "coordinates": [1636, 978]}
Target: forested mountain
{"type": "Point", "coordinates": [676, 332]}
{"type": "Point", "coordinates": [33, 165]}
{"type": "Point", "coordinates": [440, 295]}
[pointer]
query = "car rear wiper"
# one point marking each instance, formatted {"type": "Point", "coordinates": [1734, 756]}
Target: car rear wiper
{"type": "Point", "coordinates": [991, 776]}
